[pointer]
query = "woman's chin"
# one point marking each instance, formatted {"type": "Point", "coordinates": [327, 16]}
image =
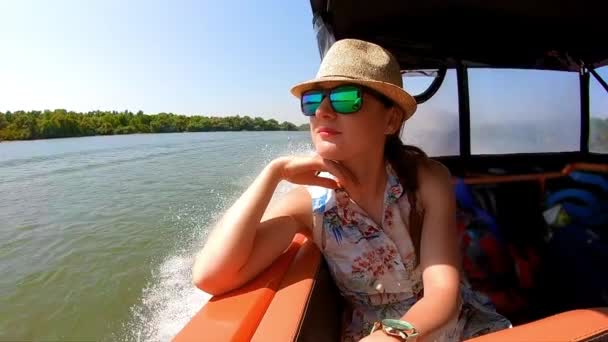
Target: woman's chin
{"type": "Point", "coordinates": [329, 151]}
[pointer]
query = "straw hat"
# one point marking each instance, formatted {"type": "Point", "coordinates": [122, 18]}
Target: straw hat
{"type": "Point", "coordinates": [360, 62]}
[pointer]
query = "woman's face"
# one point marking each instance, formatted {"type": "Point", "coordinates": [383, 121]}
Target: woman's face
{"type": "Point", "coordinates": [346, 136]}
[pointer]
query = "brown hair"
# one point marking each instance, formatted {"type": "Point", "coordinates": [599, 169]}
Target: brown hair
{"type": "Point", "coordinates": [405, 159]}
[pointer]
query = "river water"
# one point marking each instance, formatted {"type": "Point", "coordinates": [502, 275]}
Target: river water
{"type": "Point", "coordinates": [98, 234]}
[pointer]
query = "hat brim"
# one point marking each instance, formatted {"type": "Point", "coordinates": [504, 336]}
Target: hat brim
{"type": "Point", "coordinates": [399, 96]}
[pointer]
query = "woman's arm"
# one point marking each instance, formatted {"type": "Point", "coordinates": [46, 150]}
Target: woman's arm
{"type": "Point", "coordinates": [249, 237]}
{"type": "Point", "coordinates": [439, 253]}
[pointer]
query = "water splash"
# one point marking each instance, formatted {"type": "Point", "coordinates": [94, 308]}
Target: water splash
{"type": "Point", "coordinates": [170, 300]}
{"type": "Point", "coordinates": [168, 304]}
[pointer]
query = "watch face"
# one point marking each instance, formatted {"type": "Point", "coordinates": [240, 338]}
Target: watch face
{"type": "Point", "coordinates": [399, 325]}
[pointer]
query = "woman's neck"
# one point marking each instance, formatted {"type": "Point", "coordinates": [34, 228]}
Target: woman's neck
{"type": "Point", "coordinates": [370, 173]}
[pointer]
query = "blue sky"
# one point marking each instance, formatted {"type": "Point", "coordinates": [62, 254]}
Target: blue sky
{"type": "Point", "coordinates": [186, 57]}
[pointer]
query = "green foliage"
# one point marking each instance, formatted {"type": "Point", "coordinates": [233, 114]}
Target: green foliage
{"type": "Point", "coordinates": [598, 135]}
{"type": "Point", "coordinates": [61, 124]}
{"type": "Point", "coordinates": [304, 127]}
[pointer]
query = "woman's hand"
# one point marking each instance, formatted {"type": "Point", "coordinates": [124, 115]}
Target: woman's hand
{"type": "Point", "coordinates": [379, 336]}
{"type": "Point", "coordinates": [304, 170]}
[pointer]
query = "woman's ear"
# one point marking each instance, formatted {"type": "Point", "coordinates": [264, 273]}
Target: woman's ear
{"type": "Point", "coordinates": [395, 120]}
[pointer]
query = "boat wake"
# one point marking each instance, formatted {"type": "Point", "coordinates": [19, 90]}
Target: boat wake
{"type": "Point", "coordinates": [168, 304]}
{"type": "Point", "coordinates": [170, 300]}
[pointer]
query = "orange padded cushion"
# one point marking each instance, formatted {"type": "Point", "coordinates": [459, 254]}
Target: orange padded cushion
{"type": "Point", "coordinates": [284, 315]}
{"type": "Point", "coordinates": [574, 325]}
{"type": "Point", "coordinates": [235, 316]}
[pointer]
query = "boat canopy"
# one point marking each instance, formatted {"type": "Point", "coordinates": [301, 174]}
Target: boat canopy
{"type": "Point", "coordinates": [429, 37]}
{"type": "Point", "coordinates": [563, 35]}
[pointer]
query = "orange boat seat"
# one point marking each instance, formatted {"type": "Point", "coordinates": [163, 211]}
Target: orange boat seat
{"type": "Point", "coordinates": [234, 316]}
{"type": "Point", "coordinates": [575, 325]}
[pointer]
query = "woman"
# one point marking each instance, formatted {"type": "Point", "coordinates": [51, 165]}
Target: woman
{"type": "Point", "coordinates": [382, 213]}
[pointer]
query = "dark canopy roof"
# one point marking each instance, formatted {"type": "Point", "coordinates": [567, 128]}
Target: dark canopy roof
{"type": "Point", "coordinates": [424, 34]}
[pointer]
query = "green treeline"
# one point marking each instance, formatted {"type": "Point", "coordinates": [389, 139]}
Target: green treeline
{"type": "Point", "coordinates": [598, 135]}
{"type": "Point", "coordinates": [60, 123]}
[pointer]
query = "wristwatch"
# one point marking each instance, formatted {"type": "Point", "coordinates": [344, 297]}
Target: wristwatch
{"type": "Point", "coordinates": [396, 328]}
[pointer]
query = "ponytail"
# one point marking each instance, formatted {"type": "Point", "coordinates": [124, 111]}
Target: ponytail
{"type": "Point", "coordinates": [404, 159]}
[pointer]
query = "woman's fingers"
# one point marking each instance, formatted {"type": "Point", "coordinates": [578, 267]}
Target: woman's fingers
{"type": "Point", "coordinates": [312, 178]}
{"type": "Point", "coordinates": [324, 182]}
{"type": "Point", "coordinates": [305, 171]}
{"type": "Point", "coordinates": [345, 177]}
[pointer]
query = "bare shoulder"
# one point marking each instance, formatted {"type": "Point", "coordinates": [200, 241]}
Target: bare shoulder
{"type": "Point", "coordinates": [435, 181]}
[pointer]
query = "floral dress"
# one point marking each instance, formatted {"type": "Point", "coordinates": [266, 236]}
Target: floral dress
{"type": "Point", "coordinates": [374, 267]}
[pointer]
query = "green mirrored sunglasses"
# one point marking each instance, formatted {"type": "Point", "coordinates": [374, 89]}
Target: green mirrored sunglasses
{"type": "Point", "coordinates": [346, 99]}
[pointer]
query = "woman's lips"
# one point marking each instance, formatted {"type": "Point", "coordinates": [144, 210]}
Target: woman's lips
{"type": "Point", "coordinates": [327, 132]}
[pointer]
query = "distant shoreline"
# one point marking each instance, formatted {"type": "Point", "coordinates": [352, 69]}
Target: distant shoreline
{"type": "Point", "coordinates": [128, 134]}
{"type": "Point", "coordinates": [59, 123]}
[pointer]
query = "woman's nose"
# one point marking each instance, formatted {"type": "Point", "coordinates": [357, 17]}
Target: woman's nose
{"type": "Point", "coordinates": [325, 110]}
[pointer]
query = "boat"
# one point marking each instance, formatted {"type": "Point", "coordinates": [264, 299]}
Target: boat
{"type": "Point", "coordinates": [295, 298]}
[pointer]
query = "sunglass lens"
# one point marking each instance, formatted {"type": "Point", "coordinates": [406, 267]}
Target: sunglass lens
{"type": "Point", "coordinates": [310, 102]}
{"type": "Point", "coordinates": [346, 100]}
